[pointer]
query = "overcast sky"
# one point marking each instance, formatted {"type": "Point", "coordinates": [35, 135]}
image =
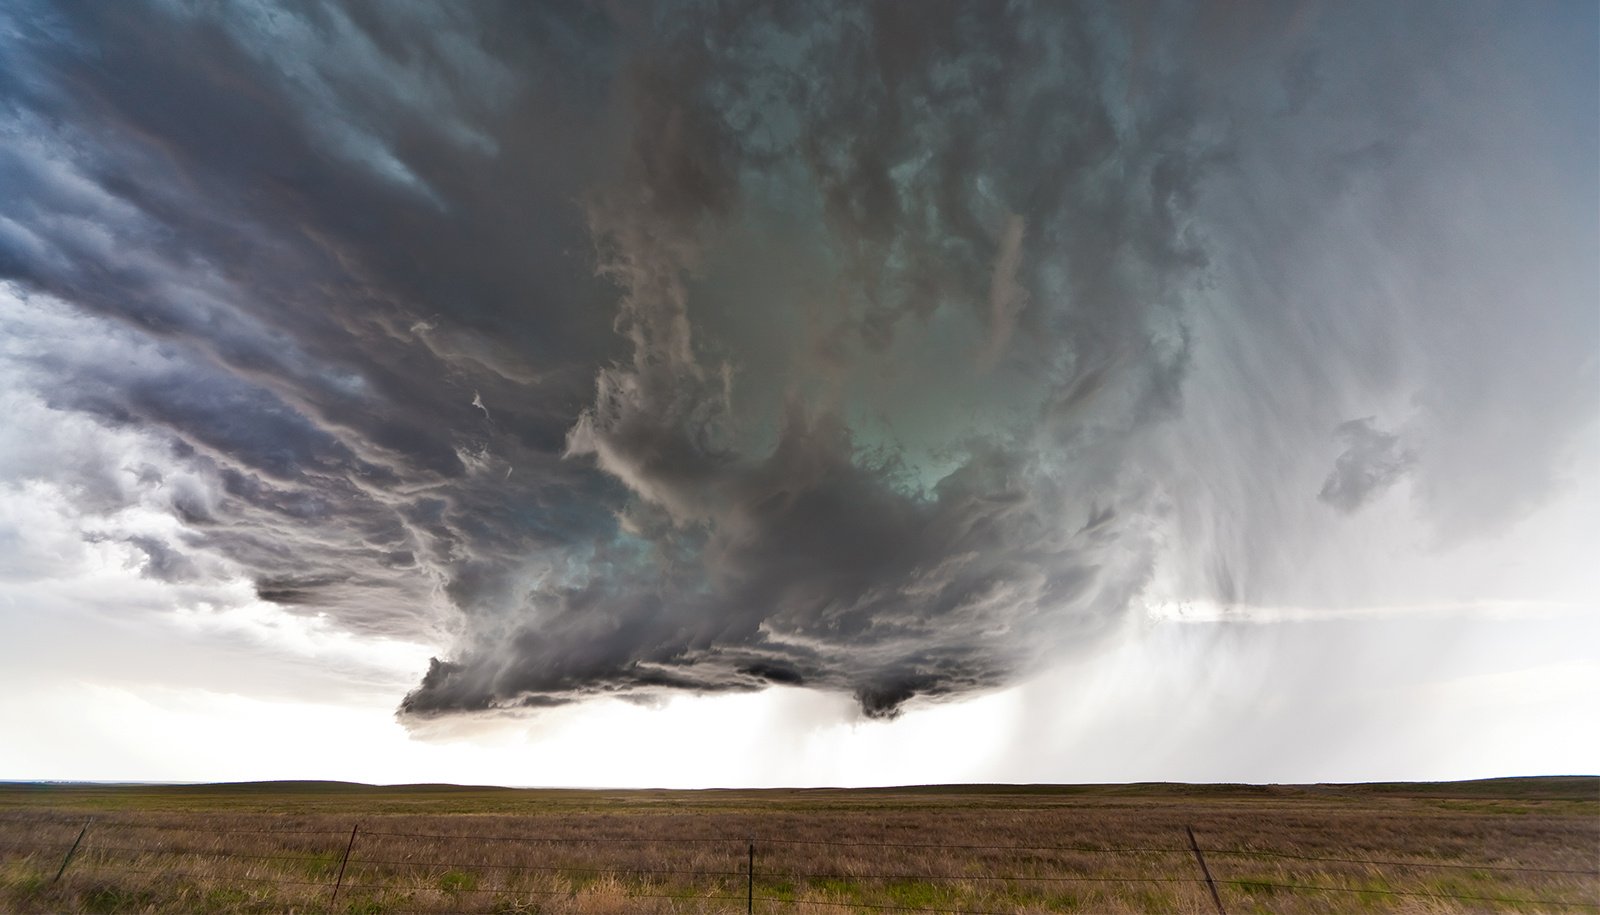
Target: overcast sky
{"type": "Point", "coordinates": [799, 393]}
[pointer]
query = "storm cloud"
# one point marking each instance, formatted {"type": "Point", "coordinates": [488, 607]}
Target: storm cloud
{"type": "Point", "coordinates": [894, 349]}
{"type": "Point", "coordinates": [1373, 460]}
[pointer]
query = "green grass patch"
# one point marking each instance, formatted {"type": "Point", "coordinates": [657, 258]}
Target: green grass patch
{"type": "Point", "coordinates": [836, 886]}
{"type": "Point", "coordinates": [322, 864]}
{"type": "Point", "coordinates": [28, 884]}
{"type": "Point", "coordinates": [1374, 893]}
{"type": "Point", "coordinates": [1255, 887]}
{"type": "Point", "coordinates": [920, 895]}
{"type": "Point", "coordinates": [226, 897]}
{"type": "Point", "coordinates": [776, 889]}
{"type": "Point", "coordinates": [108, 900]}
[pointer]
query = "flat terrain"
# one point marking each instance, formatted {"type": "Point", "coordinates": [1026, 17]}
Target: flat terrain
{"type": "Point", "coordinates": [1523, 845]}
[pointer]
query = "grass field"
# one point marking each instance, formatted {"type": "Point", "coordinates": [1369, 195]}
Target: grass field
{"type": "Point", "coordinates": [1523, 845]}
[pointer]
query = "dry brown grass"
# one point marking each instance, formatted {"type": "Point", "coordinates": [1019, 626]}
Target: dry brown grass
{"type": "Point", "coordinates": [278, 849]}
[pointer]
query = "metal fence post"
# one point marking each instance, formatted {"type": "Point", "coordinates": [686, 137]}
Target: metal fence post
{"type": "Point", "coordinates": [340, 882]}
{"type": "Point", "coordinates": [70, 852]}
{"type": "Point", "coordinates": [1204, 870]}
{"type": "Point", "coordinates": [750, 881]}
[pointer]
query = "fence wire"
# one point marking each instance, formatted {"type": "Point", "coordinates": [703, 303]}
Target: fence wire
{"type": "Point", "coordinates": [93, 857]}
{"type": "Point", "coordinates": [1517, 868]}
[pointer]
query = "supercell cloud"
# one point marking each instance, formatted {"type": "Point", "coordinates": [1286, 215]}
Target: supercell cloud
{"type": "Point", "coordinates": [895, 349]}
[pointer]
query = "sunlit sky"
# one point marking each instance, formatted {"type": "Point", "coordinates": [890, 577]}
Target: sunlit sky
{"type": "Point", "coordinates": [835, 394]}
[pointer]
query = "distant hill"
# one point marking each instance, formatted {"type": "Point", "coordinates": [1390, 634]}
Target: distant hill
{"type": "Point", "coordinates": [1545, 787]}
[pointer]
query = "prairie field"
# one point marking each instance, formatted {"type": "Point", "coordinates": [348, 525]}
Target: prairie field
{"type": "Point", "coordinates": [1503, 845]}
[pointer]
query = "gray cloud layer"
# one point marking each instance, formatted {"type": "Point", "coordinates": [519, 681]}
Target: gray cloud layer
{"type": "Point", "coordinates": [891, 349]}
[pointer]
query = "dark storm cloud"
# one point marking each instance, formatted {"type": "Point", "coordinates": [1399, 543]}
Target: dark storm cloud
{"type": "Point", "coordinates": [983, 215]}
{"type": "Point", "coordinates": [709, 348]}
{"type": "Point", "coordinates": [1373, 460]}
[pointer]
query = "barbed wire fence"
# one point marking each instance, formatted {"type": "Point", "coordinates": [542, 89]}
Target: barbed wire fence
{"type": "Point", "coordinates": [755, 866]}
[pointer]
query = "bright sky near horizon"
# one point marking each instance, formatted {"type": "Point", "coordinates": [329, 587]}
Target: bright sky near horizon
{"type": "Point", "coordinates": [816, 394]}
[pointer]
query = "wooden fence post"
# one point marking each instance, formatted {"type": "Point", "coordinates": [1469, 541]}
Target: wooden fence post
{"type": "Point", "coordinates": [340, 882]}
{"type": "Point", "coordinates": [750, 881]}
{"type": "Point", "coordinates": [70, 852]}
{"type": "Point", "coordinates": [1205, 870]}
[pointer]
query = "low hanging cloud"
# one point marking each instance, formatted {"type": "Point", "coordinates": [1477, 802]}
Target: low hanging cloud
{"type": "Point", "coordinates": [778, 531]}
{"type": "Point", "coordinates": [889, 349]}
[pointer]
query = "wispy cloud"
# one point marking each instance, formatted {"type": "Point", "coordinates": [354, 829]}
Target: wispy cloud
{"type": "Point", "coordinates": [1212, 612]}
